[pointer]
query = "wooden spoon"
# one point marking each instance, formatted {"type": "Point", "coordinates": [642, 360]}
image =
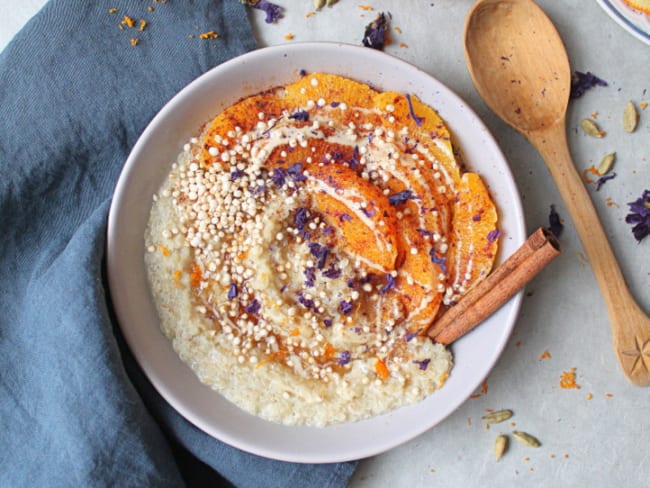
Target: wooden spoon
{"type": "Point", "coordinates": [519, 66]}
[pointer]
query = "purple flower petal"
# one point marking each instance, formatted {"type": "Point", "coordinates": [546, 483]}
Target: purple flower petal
{"type": "Point", "coordinates": [603, 179]}
{"type": "Point", "coordinates": [390, 284]}
{"type": "Point", "coordinates": [374, 35]}
{"type": "Point", "coordinates": [418, 120]}
{"type": "Point", "coordinates": [344, 358]}
{"type": "Point", "coordinates": [639, 216]}
{"type": "Point", "coordinates": [301, 115]}
{"type": "Point", "coordinates": [320, 252]}
{"type": "Point", "coordinates": [232, 291]}
{"type": "Point", "coordinates": [554, 223]}
{"type": "Point", "coordinates": [400, 197]}
{"type": "Point", "coordinates": [423, 364]}
{"type": "Point", "coordinates": [493, 235]}
{"type": "Point", "coordinates": [345, 307]}
{"type": "Point", "coordinates": [273, 12]}
{"type": "Point", "coordinates": [581, 82]}
{"type": "Point", "coordinates": [253, 307]}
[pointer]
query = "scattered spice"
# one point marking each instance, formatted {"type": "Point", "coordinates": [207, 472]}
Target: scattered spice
{"type": "Point", "coordinates": [375, 35]}
{"type": "Point", "coordinates": [366, 7]}
{"type": "Point", "coordinates": [611, 203]}
{"type": "Point", "coordinates": [484, 387]}
{"type": "Point", "coordinates": [526, 439]}
{"type": "Point", "coordinates": [639, 216]}
{"type": "Point", "coordinates": [555, 222]}
{"type": "Point", "coordinates": [500, 446]}
{"type": "Point", "coordinates": [606, 163]}
{"type": "Point", "coordinates": [589, 396]}
{"type": "Point", "coordinates": [288, 36]}
{"type": "Point", "coordinates": [608, 395]}
{"type": "Point", "coordinates": [143, 24]}
{"type": "Point", "coordinates": [630, 117]}
{"type": "Point", "coordinates": [112, 10]}
{"type": "Point", "coordinates": [581, 82]}
{"type": "Point", "coordinates": [545, 355]}
{"type": "Point", "coordinates": [591, 128]}
{"type": "Point", "coordinates": [568, 380]}
{"type": "Point", "coordinates": [498, 416]}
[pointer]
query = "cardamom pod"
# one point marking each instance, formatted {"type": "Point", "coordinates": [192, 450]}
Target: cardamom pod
{"type": "Point", "coordinates": [630, 117]}
{"type": "Point", "coordinates": [526, 439]}
{"type": "Point", "coordinates": [500, 446]}
{"type": "Point", "coordinates": [498, 416]}
{"type": "Point", "coordinates": [606, 163]}
{"type": "Point", "coordinates": [591, 129]}
{"type": "Point", "coordinates": [319, 4]}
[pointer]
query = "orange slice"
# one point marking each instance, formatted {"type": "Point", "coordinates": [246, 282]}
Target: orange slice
{"type": "Point", "coordinates": [642, 5]}
{"type": "Point", "coordinates": [360, 211]}
{"type": "Point", "coordinates": [474, 242]}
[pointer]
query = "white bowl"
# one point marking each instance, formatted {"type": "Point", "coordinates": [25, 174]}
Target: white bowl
{"type": "Point", "coordinates": [147, 167]}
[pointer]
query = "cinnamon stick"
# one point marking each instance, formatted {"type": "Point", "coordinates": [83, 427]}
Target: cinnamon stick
{"type": "Point", "coordinates": [488, 296]}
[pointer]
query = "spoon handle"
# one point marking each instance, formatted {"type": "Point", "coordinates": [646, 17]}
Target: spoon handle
{"type": "Point", "coordinates": [630, 325]}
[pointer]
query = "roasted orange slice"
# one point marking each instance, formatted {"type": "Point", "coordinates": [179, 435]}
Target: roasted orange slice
{"type": "Point", "coordinates": [360, 211]}
{"type": "Point", "coordinates": [474, 240]}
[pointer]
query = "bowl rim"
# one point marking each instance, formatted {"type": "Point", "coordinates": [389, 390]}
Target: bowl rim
{"type": "Point", "coordinates": [123, 309]}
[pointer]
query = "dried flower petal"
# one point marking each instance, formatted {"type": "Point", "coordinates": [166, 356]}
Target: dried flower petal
{"type": "Point", "coordinates": [400, 197]}
{"type": "Point", "coordinates": [273, 11]}
{"type": "Point", "coordinates": [424, 364]}
{"type": "Point", "coordinates": [418, 120]}
{"type": "Point", "coordinates": [344, 358]}
{"type": "Point", "coordinates": [375, 34]}
{"type": "Point", "coordinates": [554, 222]}
{"type": "Point", "coordinates": [581, 82]}
{"type": "Point", "coordinates": [639, 216]}
{"type": "Point", "coordinates": [601, 181]}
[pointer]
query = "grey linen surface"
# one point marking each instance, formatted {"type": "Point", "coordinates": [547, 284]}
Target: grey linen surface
{"type": "Point", "coordinates": [75, 409]}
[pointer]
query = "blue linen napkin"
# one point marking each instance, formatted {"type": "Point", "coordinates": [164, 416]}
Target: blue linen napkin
{"type": "Point", "coordinates": [75, 409]}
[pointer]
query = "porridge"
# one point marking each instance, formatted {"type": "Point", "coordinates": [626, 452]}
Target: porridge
{"type": "Point", "coordinates": [303, 242]}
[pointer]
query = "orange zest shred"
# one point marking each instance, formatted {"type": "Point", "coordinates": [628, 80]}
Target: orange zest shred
{"type": "Point", "coordinates": [177, 278]}
{"type": "Point", "coordinates": [163, 250]}
{"type": "Point", "coordinates": [381, 369]}
{"type": "Point", "coordinates": [545, 355]}
{"type": "Point", "coordinates": [643, 105]}
{"type": "Point", "coordinates": [196, 275]}
{"type": "Point", "coordinates": [209, 35]}
{"type": "Point", "coordinates": [329, 351]}
{"type": "Point", "coordinates": [134, 41]}
{"type": "Point", "coordinates": [128, 21]}
{"type": "Point", "coordinates": [288, 36]}
{"type": "Point", "coordinates": [143, 24]}
{"type": "Point", "coordinates": [484, 387]}
{"type": "Point", "coordinates": [590, 170]}
{"type": "Point", "coordinates": [112, 10]}
{"type": "Point", "coordinates": [568, 380]}
{"type": "Point", "coordinates": [367, 8]}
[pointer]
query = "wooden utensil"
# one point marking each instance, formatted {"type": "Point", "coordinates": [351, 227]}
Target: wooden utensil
{"type": "Point", "coordinates": [519, 66]}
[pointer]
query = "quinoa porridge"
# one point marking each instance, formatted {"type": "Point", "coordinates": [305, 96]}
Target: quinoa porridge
{"type": "Point", "coordinates": [304, 241]}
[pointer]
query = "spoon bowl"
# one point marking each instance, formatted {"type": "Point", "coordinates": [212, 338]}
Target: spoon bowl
{"type": "Point", "coordinates": [519, 66]}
